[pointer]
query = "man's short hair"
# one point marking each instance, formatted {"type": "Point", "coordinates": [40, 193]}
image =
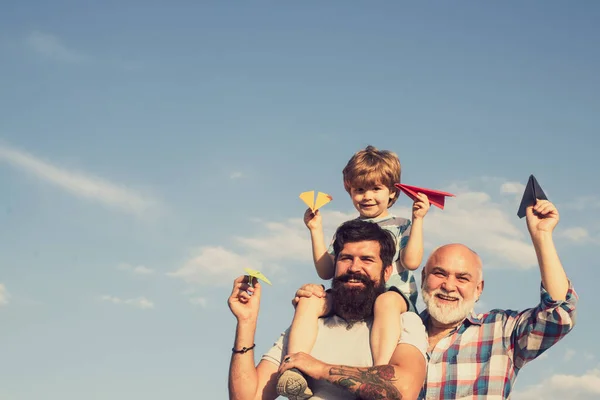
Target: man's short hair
{"type": "Point", "coordinates": [357, 230]}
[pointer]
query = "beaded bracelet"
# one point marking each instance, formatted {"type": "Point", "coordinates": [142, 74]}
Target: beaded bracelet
{"type": "Point", "coordinates": [243, 350]}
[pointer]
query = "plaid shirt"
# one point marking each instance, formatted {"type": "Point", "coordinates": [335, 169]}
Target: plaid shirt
{"type": "Point", "coordinates": [482, 357]}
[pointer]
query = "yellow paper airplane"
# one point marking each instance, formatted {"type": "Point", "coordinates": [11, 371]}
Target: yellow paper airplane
{"type": "Point", "coordinates": [314, 205]}
{"type": "Point", "coordinates": [256, 274]}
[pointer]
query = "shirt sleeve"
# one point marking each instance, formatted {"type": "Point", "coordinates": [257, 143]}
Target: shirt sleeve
{"type": "Point", "coordinates": [404, 234]}
{"type": "Point", "coordinates": [330, 248]}
{"type": "Point", "coordinates": [535, 330]}
{"type": "Point", "coordinates": [275, 353]}
{"type": "Point", "coordinates": [414, 333]}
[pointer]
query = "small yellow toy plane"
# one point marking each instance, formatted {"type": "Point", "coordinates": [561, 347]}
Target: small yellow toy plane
{"type": "Point", "coordinates": [314, 204]}
{"type": "Point", "coordinates": [256, 275]}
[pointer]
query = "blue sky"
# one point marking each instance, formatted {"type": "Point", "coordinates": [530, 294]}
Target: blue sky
{"type": "Point", "coordinates": [151, 150]}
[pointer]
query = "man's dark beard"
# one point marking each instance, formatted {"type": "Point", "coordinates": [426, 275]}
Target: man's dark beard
{"type": "Point", "coordinates": [355, 303]}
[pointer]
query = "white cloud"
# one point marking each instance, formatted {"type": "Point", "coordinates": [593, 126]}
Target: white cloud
{"type": "Point", "coordinates": [512, 187]}
{"type": "Point", "coordinates": [137, 270]}
{"type": "Point", "coordinates": [198, 301]}
{"type": "Point", "coordinates": [213, 265]}
{"type": "Point", "coordinates": [51, 46]}
{"type": "Point", "coordinates": [583, 203]}
{"type": "Point", "coordinates": [577, 234]}
{"type": "Point", "coordinates": [288, 240]}
{"type": "Point", "coordinates": [569, 354]}
{"type": "Point", "coordinates": [561, 386]}
{"type": "Point", "coordinates": [282, 241]}
{"type": "Point", "coordinates": [140, 302]}
{"type": "Point", "coordinates": [473, 219]}
{"type": "Point", "coordinates": [79, 184]}
{"type": "Point", "coordinates": [4, 295]}
{"type": "Point", "coordinates": [235, 175]}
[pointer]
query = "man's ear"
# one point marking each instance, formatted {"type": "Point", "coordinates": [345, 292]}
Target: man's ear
{"type": "Point", "coordinates": [480, 286]}
{"type": "Point", "coordinates": [388, 272]}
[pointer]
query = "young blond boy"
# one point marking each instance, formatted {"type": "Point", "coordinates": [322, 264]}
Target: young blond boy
{"type": "Point", "coordinates": [369, 179]}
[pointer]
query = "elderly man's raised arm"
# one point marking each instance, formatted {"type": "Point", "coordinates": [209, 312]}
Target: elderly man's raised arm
{"type": "Point", "coordinates": [247, 382]}
{"type": "Point", "coordinates": [531, 332]}
{"type": "Point", "coordinates": [541, 221]}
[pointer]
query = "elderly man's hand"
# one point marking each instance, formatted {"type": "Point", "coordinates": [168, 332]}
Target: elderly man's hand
{"type": "Point", "coordinates": [244, 300]}
{"type": "Point", "coordinates": [542, 217]}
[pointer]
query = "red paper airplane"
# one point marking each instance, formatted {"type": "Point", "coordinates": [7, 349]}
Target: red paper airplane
{"type": "Point", "coordinates": [435, 197]}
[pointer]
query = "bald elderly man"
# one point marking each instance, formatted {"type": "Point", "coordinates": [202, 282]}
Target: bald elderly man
{"type": "Point", "coordinates": [478, 356]}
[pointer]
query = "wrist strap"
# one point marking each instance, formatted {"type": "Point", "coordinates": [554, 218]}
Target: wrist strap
{"type": "Point", "coordinates": [244, 349]}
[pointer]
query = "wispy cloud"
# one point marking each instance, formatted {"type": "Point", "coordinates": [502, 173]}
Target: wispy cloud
{"type": "Point", "coordinates": [235, 175]}
{"type": "Point", "coordinates": [213, 265]}
{"type": "Point", "coordinates": [578, 235]}
{"type": "Point", "coordinates": [137, 270]}
{"type": "Point", "coordinates": [79, 184]}
{"type": "Point", "coordinates": [51, 46]}
{"type": "Point", "coordinates": [484, 225]}
{"type": "Point", "coordinates": [475, 219]}
{"type": "Point", "coordinates": [140, 302]}
{"type": "Point", "coordinates": [583, 203]}
{"type": "Point", "coordinates": [198, 301]}
{"type": "Point", "coordinates": [4, 295]}
{"type": "Point", "coordinates": [563, 386]}
{"type": "Point", "coordinates": [512, 187]}
{"type": "Point", "coordinates": [54, 48]}
{"type": "Point", "coordinates": [569, 354]}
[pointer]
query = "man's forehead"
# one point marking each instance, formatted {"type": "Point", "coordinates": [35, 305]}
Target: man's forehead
{"type": "Point", "coordinates": [365, 246]}
{"type": "Point", "coordinates": [460, 260]}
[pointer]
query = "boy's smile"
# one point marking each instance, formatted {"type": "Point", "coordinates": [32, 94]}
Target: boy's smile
{"type": "Point", "coordinates": [372, 201]}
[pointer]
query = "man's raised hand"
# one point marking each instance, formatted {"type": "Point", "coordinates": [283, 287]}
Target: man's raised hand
{"type": "Point", "coordinates": [242, 304]}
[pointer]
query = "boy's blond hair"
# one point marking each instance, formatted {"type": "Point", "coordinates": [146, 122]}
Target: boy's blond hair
{"type": "Point", "coordinates": [370, 166]}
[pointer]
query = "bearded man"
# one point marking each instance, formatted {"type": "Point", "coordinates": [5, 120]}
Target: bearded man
{"type": "Point", "coordinates": [340, 365]}
{"type": "Point", "coordinates": [478, 356]}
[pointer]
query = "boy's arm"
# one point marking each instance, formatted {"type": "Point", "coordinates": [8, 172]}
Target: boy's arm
{"type": "Point", "coordinates": [412, 254]}
{"type": "Point", "coordinates": [322, 259]}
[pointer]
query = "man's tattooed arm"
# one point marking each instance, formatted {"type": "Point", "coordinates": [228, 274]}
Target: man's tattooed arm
{"type": "Point", "coordinates": [367, 383]}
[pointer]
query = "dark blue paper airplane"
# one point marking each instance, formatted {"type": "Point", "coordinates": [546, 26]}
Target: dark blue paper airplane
{"type": "Point", "coordinates": [533, 192]}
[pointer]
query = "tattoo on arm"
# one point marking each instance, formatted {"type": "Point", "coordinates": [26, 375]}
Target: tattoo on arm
{"type": "Point", "coordinates": [367, 383]}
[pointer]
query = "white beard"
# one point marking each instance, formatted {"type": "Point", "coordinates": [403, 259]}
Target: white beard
{"type": "Point", "coordinates": [447, 313]}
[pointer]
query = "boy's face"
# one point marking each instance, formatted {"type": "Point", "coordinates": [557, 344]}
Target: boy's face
{"type": "Point", "coordinates": [371, 201]}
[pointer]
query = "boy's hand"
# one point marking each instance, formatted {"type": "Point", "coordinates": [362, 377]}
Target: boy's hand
{"type": "Point", "coordinates": [308, 290]}
{"type": "Point", "coordinates": [315, 291]}
{"type": "Point", "coordinates": [542, 217]}
{"type": "Point", "coordinates": [420, 206]}
{"type": "Point", "coordinates": [312, 220]}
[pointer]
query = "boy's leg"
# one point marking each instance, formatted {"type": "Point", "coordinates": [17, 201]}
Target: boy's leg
{"type": "Point", "coordinates": [302, 337]}
{"type": "Point", "coordinates": [387, 325]}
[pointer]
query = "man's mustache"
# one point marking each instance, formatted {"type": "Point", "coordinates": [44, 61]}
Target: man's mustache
{"type": "Point", "coordinates": [350, 276]}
